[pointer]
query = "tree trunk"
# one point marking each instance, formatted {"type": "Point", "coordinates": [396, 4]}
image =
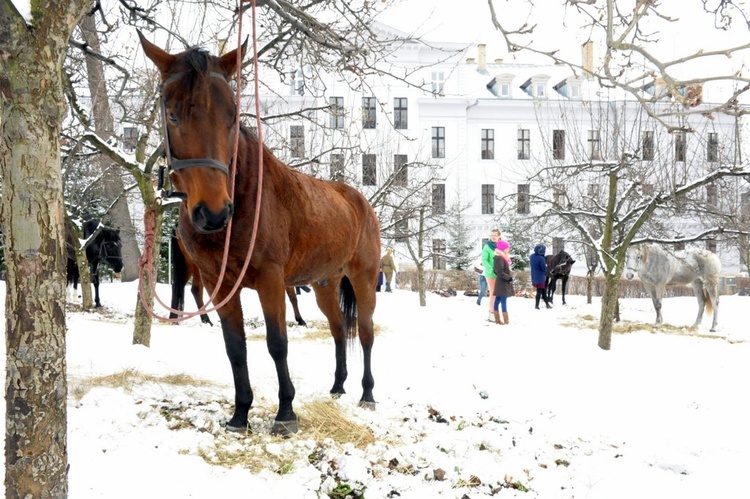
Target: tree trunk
{"type": "Point", "coordinates": [114, 186]}
{"type": "Point", "coordinates": [422, 285]}
{"type": "Point", "coordinates": [142, 326]}
{"type": "Point", "coordinates": [31, 112]}
{"type": "Point", "coordinates": [609, 309]}
{"type": "Point", "coordinates": [84, 276]}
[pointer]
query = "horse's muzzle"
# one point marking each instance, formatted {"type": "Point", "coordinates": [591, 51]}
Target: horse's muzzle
{"type": "Point", "coordinates": [207, 221]}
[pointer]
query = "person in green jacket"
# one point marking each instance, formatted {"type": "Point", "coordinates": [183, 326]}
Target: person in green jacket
{"type": "Point", "coordinates": [488, 262]}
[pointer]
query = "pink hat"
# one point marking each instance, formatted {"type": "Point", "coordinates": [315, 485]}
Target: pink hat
{"type": "Point", "coordinates": [503, 245]}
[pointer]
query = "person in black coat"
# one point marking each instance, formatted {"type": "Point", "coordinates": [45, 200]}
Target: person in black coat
{"type": "Point", "coordinates": [503, 281]}
{"type": "Point", "coordinates": [538, 265]}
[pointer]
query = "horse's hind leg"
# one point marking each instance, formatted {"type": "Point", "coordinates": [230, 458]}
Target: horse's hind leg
{"type": "Point", "coordinates": [327, 298]}
{"type": "Point", "coordinates": [365, 294]}
{"type": "Point", "coordinates": [295, 306]}
{"type": "Point", "coordinates": [701, 297]}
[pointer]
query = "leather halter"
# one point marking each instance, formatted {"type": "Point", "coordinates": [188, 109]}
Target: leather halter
{"type": "Point", "coordinates": [174, 163]}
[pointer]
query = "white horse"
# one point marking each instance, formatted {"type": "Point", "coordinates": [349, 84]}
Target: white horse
{"type": "Point", "coordinates": [657, 268]}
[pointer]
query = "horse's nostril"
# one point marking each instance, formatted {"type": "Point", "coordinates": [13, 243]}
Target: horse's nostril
{"type": "Point", "coordinates": [205, 220]}
{"type": "Point", "coordinates": [230, 209]}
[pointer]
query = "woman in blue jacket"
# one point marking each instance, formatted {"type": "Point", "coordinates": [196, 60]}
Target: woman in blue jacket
{"type": "Point", "coordinates": [539, 274]}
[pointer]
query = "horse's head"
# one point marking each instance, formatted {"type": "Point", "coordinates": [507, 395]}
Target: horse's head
{"type": "Point", "coordinates": [199, 114]}
{"type": "Point", "coordinates": [564, 265]}
{"type": "Point", "coordinates": [633, 258]}
{"type": "Point", "coordinates": [110, 248]}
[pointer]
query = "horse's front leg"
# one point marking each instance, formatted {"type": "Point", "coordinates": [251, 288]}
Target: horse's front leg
{"type": "Point", "coordinates": [271, 292]}
{"type": "Point", "coordinates": [95, 281]}
{"type": "Point", "coordinates": [564, 287]}
{"type": "Point", "coordinates": [234, 341]}
{"type": "Point", "coordinates": [656, 297]}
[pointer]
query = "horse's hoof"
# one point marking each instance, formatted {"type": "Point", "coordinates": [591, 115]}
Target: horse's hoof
{"type": "Point", "coordinates": [367, 404]}
{"type": "Point", "coordinates": [237, 429]}
{"type": "Point", "coordinates": [336, 396]}
{"type": "Point", "coordinates": [284, 428]}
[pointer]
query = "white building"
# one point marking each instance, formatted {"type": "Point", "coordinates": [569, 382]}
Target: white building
{"type": "Point", "coordinates": [483, 130]}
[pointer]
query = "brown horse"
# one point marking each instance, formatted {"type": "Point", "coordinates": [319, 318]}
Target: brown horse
{"type": "Point", "coordinates": [183, 269]}
{"type": "Point", "coordinates": [308, 230]}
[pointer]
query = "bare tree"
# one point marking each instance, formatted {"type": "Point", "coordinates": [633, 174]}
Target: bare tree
{"type": "Point", "coordinates": [31, 113]}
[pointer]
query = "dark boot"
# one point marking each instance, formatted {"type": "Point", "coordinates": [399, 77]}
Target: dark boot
{"type": "Point", "coordinates": [387, 287]}
{"type": "Point", "coordinates": [536, 306]}
{"type": "Point", "coordinates": [505, 317]}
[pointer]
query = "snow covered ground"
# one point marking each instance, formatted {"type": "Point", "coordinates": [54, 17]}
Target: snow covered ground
{"type": "Point", "coordinates": [466, 409]}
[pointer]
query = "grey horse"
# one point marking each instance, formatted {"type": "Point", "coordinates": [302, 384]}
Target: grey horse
{"type": "Point", "coordinates": [657, 268]}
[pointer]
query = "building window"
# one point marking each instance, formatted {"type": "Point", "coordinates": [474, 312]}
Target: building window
{"type": "Point", "coordinates": [540, 90]}
{"type": "Point", "coordinates": [369, 113]}
{"type": "Point", "coordinates": [505, 89]}
{"type": "Point", "coordinates": [679, 146]}
{"type": "Point", "coordinates": [400, 113]}
{"type": "Point", "coordinates": [337, 167]}
{"type": "Point", "coordinates": [438, 199]}
{"type": "Point", "coordinates": [298, 83]}
{"type": "Point", "coordinates": [594, 145]}
{"type": "Point", "coordinates": [712, 152]}
{"type": "Point", "coordinates": [129, 139]}
{"type": "Point", "coordinates": [400, 170]}
{"type": "Point", "coordinates": [368, 169]}
{"type": "Point", "coordinates": [439, 255]}
{"type": "Point", "coordinates": [593, 194]}
{"type": "Point", "coordinates": [337, 112]}
{"type": "Point", "coordinates": [438, 142]}
{"type": "Point", "coordinates": [524, 143]}
{"type": "Point", "coordinates": [558, 144]}
{"type": "Point", "coordinates": [438, 83]}
{"type": "Point", "coordinates": [488, 143]}
{"type": "Point", "coordinates": [647, 147]}
{"type": "Point", "coordinates": [575, 91]}
{"type": "Point", "coordinates": [488, 199]}
{"type": "Point", "coordinates": [297, 141]}
{"type": "Point", "coordinates": [524, 199]}
{"type": "Point", "coordinates": [711, 195]}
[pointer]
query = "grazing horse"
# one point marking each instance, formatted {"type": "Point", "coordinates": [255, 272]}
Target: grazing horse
{"type": "Point", "coordinates": [558, 267]}
{"type": "Point", "coordinates": [183, 269]}
{"type": "Point", "coordinates": [308, 230]}
{"type": "Point", "coordinates": [658, 268]}
{"type": "Point", "coordinates": [105, 247]}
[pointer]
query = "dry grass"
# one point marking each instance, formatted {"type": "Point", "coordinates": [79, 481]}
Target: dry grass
{"type": "Point", "coordinates": [626, 327]}
{"type": "Point", "coordinates": [129, 378]}
{"type": "Point", "coordinates": [321, 421]}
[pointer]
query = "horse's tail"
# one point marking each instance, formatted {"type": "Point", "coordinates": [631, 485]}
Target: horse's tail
{"type": "Point", "coordinates": [709, 303]}
{"type": "Point", "coordinates": [348, 302]}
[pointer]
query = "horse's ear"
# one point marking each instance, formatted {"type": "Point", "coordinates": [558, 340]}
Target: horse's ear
{"type": "Point", "coordinates": [158, 56]}
{"type": "Point", "coordinates": [228, 61]}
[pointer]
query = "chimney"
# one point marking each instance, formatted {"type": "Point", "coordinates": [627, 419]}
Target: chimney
{"type": "Point", "coordinates": [482, 57]}
{"type": "Point", "coordinates": [587, 58]}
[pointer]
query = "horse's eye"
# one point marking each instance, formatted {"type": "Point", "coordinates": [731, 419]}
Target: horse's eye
{"type": "Point", "coordinates": [173, 118]}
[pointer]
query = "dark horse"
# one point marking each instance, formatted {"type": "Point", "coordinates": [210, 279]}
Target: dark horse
{"type": "Point", "coordinates": [308, 230]}
{"type": "Point", "coordinates": [105, 247]}
{"type": "Point", "coordinates": [558, 267]}
{"type": "Point", "coordinates": [183, 269]}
